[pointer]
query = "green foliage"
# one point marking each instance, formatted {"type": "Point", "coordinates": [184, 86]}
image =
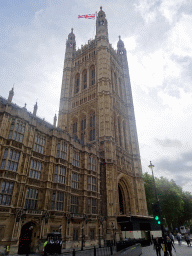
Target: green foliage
{"type": "Point", "coordinates": [176, 204]}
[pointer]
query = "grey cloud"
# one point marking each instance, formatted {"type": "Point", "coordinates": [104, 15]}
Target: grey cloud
{"type": "Point", "coordinates": [177, 167]}
{"type": "Point", "coordinates": [169, 143]}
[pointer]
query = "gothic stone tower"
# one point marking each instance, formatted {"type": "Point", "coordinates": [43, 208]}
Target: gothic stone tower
{"type": "Point", "coordinates": [96, 106]}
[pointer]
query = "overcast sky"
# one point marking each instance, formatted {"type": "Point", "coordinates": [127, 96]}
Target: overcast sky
{"type": "Point", "coordinates": [158, 39]}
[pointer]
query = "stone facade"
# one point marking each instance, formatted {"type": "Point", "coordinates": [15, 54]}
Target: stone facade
{"type": "Point", "coordinates": [81, 177]}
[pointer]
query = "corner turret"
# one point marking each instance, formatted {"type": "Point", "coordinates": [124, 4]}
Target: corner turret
{"type": "Point", "coordinates": [101, 24]}
{"type": "Point", "coordinates": [120, 47]}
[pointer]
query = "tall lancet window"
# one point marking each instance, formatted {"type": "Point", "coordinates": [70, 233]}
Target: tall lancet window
{"type": "Point", "coordinates": [124, 134]}
{"type": "Point", "coordinates": [92, 75]}
{"type": "Point", "coordinates": [92, 127]}
{"type": "Point", "coordinates": [119, 130]}
{"type": "Point", "coordinates": [120, 89]}
{"type": "Point", "coordinates": [84, 79]}
{"type": "Point", "coordinates": [115, 82]}
{"type": "Point", "coordinates": [77, 83]}
{"type": "Point", "coordinates": [83, 128]}
{"type": "Point", "coordinates": [74, 127]}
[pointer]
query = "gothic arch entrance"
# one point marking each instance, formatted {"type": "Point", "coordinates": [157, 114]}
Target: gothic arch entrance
{"type": "Point", "coordinates": [28, 238]}
{"type": "Point", "coordinates": [124, 198]}
{"type": "Point", "coordinates": [121, 201]}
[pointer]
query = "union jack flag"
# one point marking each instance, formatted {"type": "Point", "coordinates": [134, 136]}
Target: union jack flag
{"type": "Point", "coordinates": [87, 16]}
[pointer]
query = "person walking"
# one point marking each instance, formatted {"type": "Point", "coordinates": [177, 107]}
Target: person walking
{"type": "Point", "coordinates": [170, 246]}
{"type": "Point", "coordinates": [187, 239]}
{"type": "Point", "coordinates": [158, 247]}
{"type": "Point", "coordinates": [179, 238]}
{"type": "Point", "coordinates": [171, 237]}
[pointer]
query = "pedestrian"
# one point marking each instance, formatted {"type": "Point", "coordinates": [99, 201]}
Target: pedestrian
{"type": "Point", "coordinates": [170, 246]}
{"type": "Point", "coordinates": [179, 238]}
{"type": "Point", "coordinates": [158, 247]}
{"type": "Point", "coordinates": [187, 239]}
{"type": "Point", "coordinates": [171, 237]}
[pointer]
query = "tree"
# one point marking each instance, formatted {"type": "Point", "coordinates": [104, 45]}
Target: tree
{"type": "Point", "coordinates": [176, 204]}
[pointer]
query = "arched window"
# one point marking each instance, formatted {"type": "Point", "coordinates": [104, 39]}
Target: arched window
{"type": "Point", "coordinates": [74, 127]}
{"type": "Point", "coordinates": [115, 82]}
{"type": "Point", "coordinates": [92, 75]}
{"type": "Point", "coordinates": [84, 79]}
{"type": "Point", "coordinates": [92, 127]}
{"type": "Point", "coordinates": [119, 130]}
{"type": "Point", "coordinates": [83, 128]}
{"type": "Point", "coordinates": [120, 89]}
{"type": "Point", "coordinates": [77, 83]}
{"type": "Point", "coordinates": [124, 134]}
{"type": "Point", "coordinates": [112, 80]}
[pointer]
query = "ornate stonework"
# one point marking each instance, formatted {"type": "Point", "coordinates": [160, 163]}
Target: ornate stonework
{"type": "Point", "coordinates": [87, 171]}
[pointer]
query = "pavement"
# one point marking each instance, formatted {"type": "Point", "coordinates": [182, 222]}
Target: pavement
{"type": "Point", "coordinates": [181, 250]}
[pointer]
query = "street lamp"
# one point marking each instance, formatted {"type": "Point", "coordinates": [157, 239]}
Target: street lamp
{"type": "Point", "coordinates": [82, 238]}
{"type": "Point", "coordinates": [99, 237]}
{"type": "Point", "coordinates": [151, 166]}
{"type": "Point", "coordinates": [113, 227]}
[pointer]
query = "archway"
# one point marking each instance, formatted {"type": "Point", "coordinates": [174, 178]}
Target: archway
{"type": "Point", "coordinates": [28, 238]}
{"type": "Point", "coordinates": [121, 201]}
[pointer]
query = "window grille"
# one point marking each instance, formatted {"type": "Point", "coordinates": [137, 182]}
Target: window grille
{"type": "Point", "coordinates": [75, 180]}
{"type": "Point", "coordinates": [17, 131]}
{"type": "Point", "coordinates": [31, 199]}
{"type": "Point", "coordinates": [39, 144]}
{"type": "Point", "coordinates": [60, 173]}
{"type": "Point", "coordinates": [6, 193]}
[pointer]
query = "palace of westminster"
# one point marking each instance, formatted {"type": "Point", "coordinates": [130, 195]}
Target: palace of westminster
{"type": "Point", "coordinates": [83, 175]}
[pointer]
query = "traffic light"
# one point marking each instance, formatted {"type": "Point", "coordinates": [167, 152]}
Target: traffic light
{"type": "Point", "coordinates": [156, 212]}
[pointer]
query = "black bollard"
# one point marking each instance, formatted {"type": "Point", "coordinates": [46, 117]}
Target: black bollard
{"type": "Point", "coordinates": [94, 251]}
{"type": "Point", "coordinates": [73, 252]}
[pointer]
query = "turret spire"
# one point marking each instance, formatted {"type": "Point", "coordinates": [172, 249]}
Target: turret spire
{"type": "Point", "coordinates": [11, 93]}
{"type": "Point", "coordinates": [35, 109]}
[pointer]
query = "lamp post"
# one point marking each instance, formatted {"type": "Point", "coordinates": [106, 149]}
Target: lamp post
{"type": "Point", "coordinates": [113, 227]}
{"type": "Point", "coordinates": [99, 237]}
{"type": "Point", "coordinates": [151, 166]}
{"type": "Point", "coordinates": [82, 238]}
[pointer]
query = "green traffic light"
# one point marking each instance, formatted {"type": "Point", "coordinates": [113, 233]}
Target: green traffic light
{"type": "Point", "coordinates": [159, 222]}
{"type": "Point", "coordinates": [156, 217]}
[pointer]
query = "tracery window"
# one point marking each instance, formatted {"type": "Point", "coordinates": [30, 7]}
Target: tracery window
{"type": "Point", "coordinates": [74, 127]}
{"type": "Point", "coordinates": [92, 127]}
{"type": "Point", "coordinates": [115, 83]}
{"type": "Point", "coordinates": [92, 75]}
{"type": "Point", "coordinates": [31, 199]}
{"type": "Point", "coordinates": [17, 131]}
{"type": "Point", "coordinates": [119, 130]}
{"type": "Point", "coordinates": [60, 172]}
{"type": "Point", "coordinates": [62, 150]}
{"type": "Point", "coordinates": [120, 89]}
{"type": "Point", "coordinates": [6, 193]}
{"type": "Point", "coordinates": [39, 144]}
{"type": "Point", "coordinates": [91, 183]}
{"type": "Point", "coordinates": [77, 77]}
{"type": "Point", "coordinates": [10, 160]}
{"type": "Point", "coordinates": [84, 79]}
{"type": "Point", "coordinates": [74, 180]}
{"type": "Point", "coordinates": [57, 201]}
{"type": "Point", "coordinates": [124, 133]}
{"type": "Point", "coordinates": [74, 204]}
{"type": "Point", "coordinates": [92, 205]}
{"type": "Point", "coordinates": [92, 164]}
{"type": "Point", "coordinates": [35, 171]}
{"type": "Point", "coordinates": [83, 128]}
{"type": "Point", "coordinates": [76, 159]}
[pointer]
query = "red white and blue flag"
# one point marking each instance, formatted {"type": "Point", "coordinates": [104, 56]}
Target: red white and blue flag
{"type": "Point", "coordinates": [87, 16]}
